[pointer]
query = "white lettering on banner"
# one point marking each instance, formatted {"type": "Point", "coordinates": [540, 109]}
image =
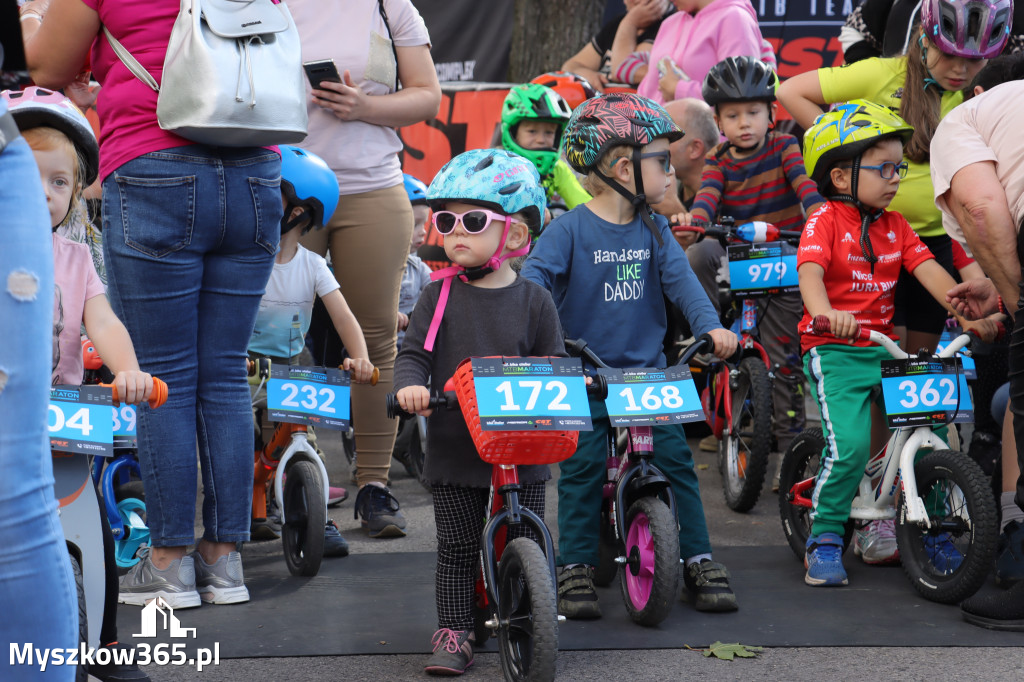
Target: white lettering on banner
{"type": "Point", "coordinates": [456, 71]}
{"type": "Point", "coordinates": [624, 291]}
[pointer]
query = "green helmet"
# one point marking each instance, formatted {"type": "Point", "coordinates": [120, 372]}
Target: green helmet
{"type": "Point", "coordinates": [845, 133]}
{"type": "Point", "coordinates": [532, 101]}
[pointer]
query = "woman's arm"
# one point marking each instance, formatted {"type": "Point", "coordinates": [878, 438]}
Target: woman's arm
{"type": "Point", "coordinates": [625, 43]}
{"type": "Point", "coordinates": [418, 100]}
{"type": "Point", "coordinates": [801, 96]}
{"type": "Point", "coordinates": [586, 63]}
{"type": "Point", "coordinates": [57, 48]}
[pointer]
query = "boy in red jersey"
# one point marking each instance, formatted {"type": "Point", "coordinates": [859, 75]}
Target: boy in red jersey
{"type": "Point", "coordinates": [849, 259]}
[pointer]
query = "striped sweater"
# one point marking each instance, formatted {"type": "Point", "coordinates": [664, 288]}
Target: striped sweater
{"type": "Point", "coordinates": [771, 185]}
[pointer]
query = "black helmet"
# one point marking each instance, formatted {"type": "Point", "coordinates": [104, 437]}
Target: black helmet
{"type": "Point", "coordinates": [739, 79]}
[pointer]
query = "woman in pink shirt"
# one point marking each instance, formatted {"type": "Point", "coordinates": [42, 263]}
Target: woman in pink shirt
{"type": "Point", "coordinates": [190, 233]}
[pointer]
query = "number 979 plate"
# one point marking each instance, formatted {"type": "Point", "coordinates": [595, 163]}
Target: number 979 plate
{"type": "Point", "coordinates": [763, 269]}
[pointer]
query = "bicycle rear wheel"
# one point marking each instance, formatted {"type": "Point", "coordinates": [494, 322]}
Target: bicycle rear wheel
{"type": "Point", "coordinates": [305, 512]}
{"type": "Point", "coordinates": [743, 451]}
{"type": "Point", "coordinates": [527, 613]}
{"type": "Point", "coordinates": [950, 560]}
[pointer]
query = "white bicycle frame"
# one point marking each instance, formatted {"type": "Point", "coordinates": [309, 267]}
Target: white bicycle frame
{"type": "Point", "coordinates": [871, 505]}
{"type": "Point", "coordinates": [298, 449]}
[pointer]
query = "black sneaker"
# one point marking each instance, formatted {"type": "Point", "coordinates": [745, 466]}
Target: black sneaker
{"type": "Point", "coordinates": [380, 512]}
{"type": "Point", "coordinates": [118, 672]}
{"type": "Point", "coordinates": [997, 610]}
{"type": "Point", "coordinates": [706, 586]}
{"type": "Point", "coordinates": [453, 653]}
{"type": "Point", "coordinates": [576, 596]}
{"type": "Point", "coordinates": [334, 544]}
{"type": "Point", "coordinates": [1010, 556]}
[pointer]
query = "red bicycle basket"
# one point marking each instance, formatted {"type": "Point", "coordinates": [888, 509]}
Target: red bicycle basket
{"type": "Point", "coordinates": [509, 447]}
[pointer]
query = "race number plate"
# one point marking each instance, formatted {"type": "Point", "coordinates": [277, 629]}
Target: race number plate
{"type": "Point", "coordinates": [525, 394]}
{"type": "Point", "coordinates": [763, 269]}
{"type": "Point", "coordinates": [79, 420]}
{"type": "Point", "coordinates": [925, 393]}
{"type": "Point", "coordinates": [318, 396]}
{"type": "Point", "coordinates": [642, 397]}
{"type": "Point", "coordinates": [125, 434]}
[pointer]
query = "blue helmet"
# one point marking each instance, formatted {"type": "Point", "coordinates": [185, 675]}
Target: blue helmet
{"type": "Point", "coordinates": [492, 178]}
{"type": "Point", "coordinates": [415, 188]}
{"type": "Point", "coordinates": [307, 180]}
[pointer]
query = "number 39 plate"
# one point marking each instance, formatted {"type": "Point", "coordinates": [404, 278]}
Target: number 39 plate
{"type": "Point", "coordinates": [308, 395]}
{"type": "Point", "coordinates": [519, 394]}
{"type": "Point", "coordinates": [925, 393]}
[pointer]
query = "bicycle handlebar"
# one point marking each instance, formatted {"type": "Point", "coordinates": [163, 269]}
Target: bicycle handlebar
{"type": "Point", "coordinates": [756, 232]}
{"type": "Point", "coordinates": [260, 369]}
{"type": "Point", "coordinates": [157, 397]}
{"type": "Point", "coordinates": [822, 325]}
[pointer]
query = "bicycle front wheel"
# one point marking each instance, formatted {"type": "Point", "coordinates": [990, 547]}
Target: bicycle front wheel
{"type": "Point", "coordinates": [744, 449]}
{"type": "Point", "coordinates": [527, 613]}
{"type": "Point", "coordinates": [949, 560]}
{"type": "Point", "coordinates": [305, 517]}
{"type": "Point", "coordinates": [650, 577]}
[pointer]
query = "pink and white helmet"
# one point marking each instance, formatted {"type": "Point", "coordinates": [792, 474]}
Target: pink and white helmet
{"type": "Point", "coordinates": [967, 28]}
{"type": "Point", "coordinates": [35, 107]}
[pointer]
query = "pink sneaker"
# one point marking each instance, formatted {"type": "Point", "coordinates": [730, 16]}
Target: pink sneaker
{"type": "Point", "coordinates": [336, 496]}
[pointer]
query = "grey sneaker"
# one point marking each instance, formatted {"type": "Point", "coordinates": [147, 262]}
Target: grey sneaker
{"type": "Point", "coordinates": [221, 583]}
{"type": "Point", "coordinates": [380, 512]}
{"type": "Point", "coordinates": [145, 582]}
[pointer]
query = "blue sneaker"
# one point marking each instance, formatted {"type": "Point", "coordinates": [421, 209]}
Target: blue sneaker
{"type": "Point", "coordinates": [944, 555]}
{"type": "Point", "coordinates": [380, 512]}
{"type": "Point", "coordinates": [824, 561]}
{"type": "Point", "coordinates": [334, 544]}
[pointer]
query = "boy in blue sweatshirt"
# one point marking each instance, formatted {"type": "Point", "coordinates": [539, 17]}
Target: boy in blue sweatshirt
{"type": "Point", "coordinates": [608, 263]}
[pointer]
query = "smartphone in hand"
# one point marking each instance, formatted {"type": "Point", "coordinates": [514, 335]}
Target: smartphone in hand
{"type": "Point", "coordinates": [321, 70]}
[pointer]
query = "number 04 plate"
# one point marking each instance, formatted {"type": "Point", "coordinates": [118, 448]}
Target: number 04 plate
{"type": "Point", "coordinates": [523, 394]}
{"type": "Point", "coordinates": [925, 393]}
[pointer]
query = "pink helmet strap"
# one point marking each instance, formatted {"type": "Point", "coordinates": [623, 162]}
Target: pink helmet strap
{"type": "Point", "coordinates": [467, 274]}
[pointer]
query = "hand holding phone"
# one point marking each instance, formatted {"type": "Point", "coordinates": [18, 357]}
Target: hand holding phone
{"type": "Point", "coordinates": [321, 70]}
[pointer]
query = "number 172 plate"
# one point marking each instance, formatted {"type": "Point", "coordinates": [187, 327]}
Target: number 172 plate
{"type": "Point", "coordinates": [524, 394]}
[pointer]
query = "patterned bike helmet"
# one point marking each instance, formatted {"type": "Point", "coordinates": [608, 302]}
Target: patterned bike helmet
{"type": "Point", "coordinates": [573, 88]}
{"type": "Point", "coordinates": [493, 178]}
{"type": "Point", "coordinates": [739, 79]}
{"type": "Point", "coordinates": [536, 103]}
{"type": "Point", "coordinates": [967, 28]}
{"type": "Point", "coordinates": [415, 188]}
{"type": "Point", "coordinates": [36, 107]}
{"type": "Point", "coordinates": [845, 133]}
{"type": "Point", "coordinates": [307, 180]}
{"type": "Point", "coordinates": [613, 119]}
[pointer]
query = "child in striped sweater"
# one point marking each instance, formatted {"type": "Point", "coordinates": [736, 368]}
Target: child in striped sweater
{"type": "Point", "coordinates": [757, 174]}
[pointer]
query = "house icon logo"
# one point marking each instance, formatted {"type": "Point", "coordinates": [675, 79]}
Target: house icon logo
{"type": "Point", "coordinates": [159, 611]}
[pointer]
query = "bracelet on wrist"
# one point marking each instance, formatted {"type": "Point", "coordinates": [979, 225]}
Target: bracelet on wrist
{"type": "Point", "coordinates": [1002, 306]}
{"type": "Point", "coordinates": [31, 15]}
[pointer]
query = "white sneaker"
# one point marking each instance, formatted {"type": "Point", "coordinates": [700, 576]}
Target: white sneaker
{"type": "Point", "coordinates": [875, 542]}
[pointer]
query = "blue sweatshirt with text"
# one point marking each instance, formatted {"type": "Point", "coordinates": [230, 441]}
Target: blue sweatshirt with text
{"type": "Point", "coordinates": [609, 281]}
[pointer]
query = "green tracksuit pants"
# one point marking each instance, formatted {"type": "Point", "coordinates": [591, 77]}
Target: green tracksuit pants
{"type": "Point", "coordinates": [582, 478]}
{"type": "Point", "coordinates": [845, 380]}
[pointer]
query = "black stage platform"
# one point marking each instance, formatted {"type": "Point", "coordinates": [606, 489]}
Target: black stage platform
{"type": "Point", "coordinates": [384, 604]}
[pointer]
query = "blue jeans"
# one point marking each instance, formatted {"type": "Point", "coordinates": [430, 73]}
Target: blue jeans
{"type": "Point", "coordinates": [37, 592]}
{"type": "Point", "coordinates": [189, 235]}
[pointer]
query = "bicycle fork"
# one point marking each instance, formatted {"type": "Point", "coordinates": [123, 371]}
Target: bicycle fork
{"type": "Point", "coordinates": [636, 477]}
